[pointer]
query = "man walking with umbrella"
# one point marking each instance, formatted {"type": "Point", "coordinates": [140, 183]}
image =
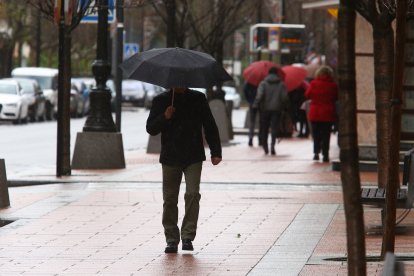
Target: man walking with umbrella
{"type": "Point", "coordinates": [180, 115]}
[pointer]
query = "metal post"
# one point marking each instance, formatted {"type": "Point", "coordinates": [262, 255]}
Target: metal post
{"type": "Point", "coordinates": [100, 117]}
{"type": "Point", "coordinates": [63, 116]}
{"type": "Point", "coordinates": [118, 59]}
{"type": "Point", "coordinates": [4, 188]}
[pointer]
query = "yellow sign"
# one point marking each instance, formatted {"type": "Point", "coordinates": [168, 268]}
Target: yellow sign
{"type": "Point", "coordinates": [333, 12]}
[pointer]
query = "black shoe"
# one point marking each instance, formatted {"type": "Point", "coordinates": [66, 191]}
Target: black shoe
{"type": "Point", "coordinates": [316, 157]}
{"type": "Point", "coordinates": [172, 247]}
{"type": "Point", "coordinates": [188, 245]}
{"type": "Point", "coordinates": [273, 152]}
{"type": "Point", "coordinates": [325, 159]}
{"type": "Point", "coordinates": [250, 142]}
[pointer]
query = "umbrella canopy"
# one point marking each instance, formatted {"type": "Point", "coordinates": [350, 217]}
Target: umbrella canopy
{"type": "Point", "coordinates": [258, 70]}
{"type": "Point", "coordinates": [175, 67]}
{"type": "Point", "coordinates": [294, 76]}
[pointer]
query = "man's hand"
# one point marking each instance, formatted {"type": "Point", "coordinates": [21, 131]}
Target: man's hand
{"type": "Point", "coordinates": [215, 160]}
{"type": "Point", "coordinates": [169, 112]}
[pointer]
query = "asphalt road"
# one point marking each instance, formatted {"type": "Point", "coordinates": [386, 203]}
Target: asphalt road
{"type": "Point", "coordinates": [35, 143]}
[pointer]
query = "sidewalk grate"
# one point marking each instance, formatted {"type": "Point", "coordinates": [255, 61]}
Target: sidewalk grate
{"type": "Point", "coordinates": [369, 258]}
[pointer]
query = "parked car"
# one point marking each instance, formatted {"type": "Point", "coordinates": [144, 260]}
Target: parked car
{"type": "Point", "coordinates": [76, 102]}
{"type": "Point", "coordinates": [48, 80]}
{"type": "Point", "coordinates": [111, 85]}
{"type": "Point", "coordinates": [134, 91]}
{"type": "Point", "coordinates": [14, 106]}
{"type": "Point", "coordinates": [83, 91]}
{"type": "Point", "coordinates": [90, 83]}
{"type": "Point", "coordinates": [152, 91]}
{"type": "Point", "coordinates": [37, 101]}
{"type": "Point", "coordinates": [232, 95]}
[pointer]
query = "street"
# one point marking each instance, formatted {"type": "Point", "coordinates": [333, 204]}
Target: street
{"type": "Point", "coordinates": [35, 143]}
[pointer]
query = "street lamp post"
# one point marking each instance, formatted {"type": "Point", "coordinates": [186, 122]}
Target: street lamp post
{"type": "Point", "coordinates": [100, 146]}
{"type": "Point", "coordinates": [100, 117]}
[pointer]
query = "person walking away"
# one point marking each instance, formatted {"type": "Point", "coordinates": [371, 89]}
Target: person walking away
{"type": "Point", "coordinates": [323, 93]}
{"type": "Point", "coordinates": [179, 115]}
{"type": "Point", "coordinates": [298, 115]}
{"type": "Point", "coordinates": [271, 99]}
{"type": "Point", "coordinates": [250, 92]}
{"type": "Point", "coordinates": [302, 117]}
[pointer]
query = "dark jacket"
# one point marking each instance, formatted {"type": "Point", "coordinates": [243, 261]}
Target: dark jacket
{"type": "Point", "coordinates": [181, 136]}
{"type": "Point", "coordinates": [323, 93]}
{"type": "Point", "coordinates": [250, 92]}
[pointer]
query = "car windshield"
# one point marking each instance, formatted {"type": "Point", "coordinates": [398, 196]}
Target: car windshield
{"type": "Point", "coordinates": [27, 87]}
{"type": "Point", "coordinates": [44, 82]}
{"type": "Point", "coordinates": [229, 90]}
{"type": "Point", "coordinates": [132, 85]}
{"type": "Point", "coordinates": [8, 88]}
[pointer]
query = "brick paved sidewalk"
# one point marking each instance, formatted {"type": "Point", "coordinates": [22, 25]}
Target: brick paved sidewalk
{"type": "Point", "coordinates": [260, 215]}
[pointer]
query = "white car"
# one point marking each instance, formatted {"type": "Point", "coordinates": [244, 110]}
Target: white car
{"type": "Point", "coordinates": [152, 92]}
{"type": "Point", "coordinates": [134, 91]}
{"type": "Point", "coordinates": [48, 80]}
{"type": "Point", "coordinates": [232, 95]}
{"type": "Point", "coordinates": [14, 104]}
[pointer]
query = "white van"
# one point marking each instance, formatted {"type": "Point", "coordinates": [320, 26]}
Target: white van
{"type": "Point", "coordinates": [48, 81]}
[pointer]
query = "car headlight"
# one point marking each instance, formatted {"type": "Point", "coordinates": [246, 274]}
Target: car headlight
{"type": "Point", "coordinates": [11, 104]}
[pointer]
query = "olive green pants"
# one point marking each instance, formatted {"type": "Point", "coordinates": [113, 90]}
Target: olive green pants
{"type": "Point", "coordinates": [171, 180]}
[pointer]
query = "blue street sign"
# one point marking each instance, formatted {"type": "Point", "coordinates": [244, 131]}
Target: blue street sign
{"type": "Point", "coordinates": [91, 14]}
{"type": "Point", "coordinates": [130, 49]}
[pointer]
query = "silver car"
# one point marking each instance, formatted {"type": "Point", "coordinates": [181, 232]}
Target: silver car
{"type": "Point", "coordinates": [134, 91]}
{"type": "Point", "coordinates": [152, 92]}
{"type": "Point", "coordinates": [37, 101]}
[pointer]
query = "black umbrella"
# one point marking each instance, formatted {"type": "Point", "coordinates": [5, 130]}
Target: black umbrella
{"type": "Point", "coordinates": [175, 67]}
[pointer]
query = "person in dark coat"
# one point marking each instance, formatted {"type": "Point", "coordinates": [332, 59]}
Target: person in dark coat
{"type": "Point", "coordinates": [271, 99]}
{"type": "Point", "coordinates": [323, 95]}
{"type": "Point", "coordinates": [180, 115]}
{"type": "Point", "coordinates": [250, 92]}
{"type": "Point", "coordinates": [297, 99]}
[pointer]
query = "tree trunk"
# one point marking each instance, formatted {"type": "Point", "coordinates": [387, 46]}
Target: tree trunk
{"type": "Point", "coordinates": [388, 241]}
{"type": "Point", "coordinates": [383, 63]}
{"type": "Point", "coordinates": [6, 52]}
{"type": "Point", "coordinates": [348, 140]}
{"type": "Point", "coordinates": [171, 22]}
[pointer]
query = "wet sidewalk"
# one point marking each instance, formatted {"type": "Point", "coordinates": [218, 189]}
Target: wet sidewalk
{"type": "Point", "coordinates": [260, 215]}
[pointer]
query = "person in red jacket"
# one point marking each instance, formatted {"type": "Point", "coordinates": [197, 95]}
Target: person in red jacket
{"type": "Point", "coordinates": [323, 94]}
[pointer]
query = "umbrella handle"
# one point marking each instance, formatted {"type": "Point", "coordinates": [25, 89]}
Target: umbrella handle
{"type": "Point", "coordinates": [172, 101]}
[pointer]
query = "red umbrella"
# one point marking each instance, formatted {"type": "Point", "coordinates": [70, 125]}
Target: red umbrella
{"type": "Point", "coordinates": [258, 70]}
{"type": "Point", "coordinates": [294, 76]}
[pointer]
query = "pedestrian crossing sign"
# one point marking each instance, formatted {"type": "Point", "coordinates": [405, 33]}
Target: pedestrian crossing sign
{"type": "Point", "coordinates": [130, 49]}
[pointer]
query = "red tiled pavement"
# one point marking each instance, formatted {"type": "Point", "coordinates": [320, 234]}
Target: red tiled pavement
{"type": "Point", "coordinates": [109, 222]}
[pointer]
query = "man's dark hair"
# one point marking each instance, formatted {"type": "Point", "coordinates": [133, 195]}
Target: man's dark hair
{"type": "Point", "coordinates": [273, 70]}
